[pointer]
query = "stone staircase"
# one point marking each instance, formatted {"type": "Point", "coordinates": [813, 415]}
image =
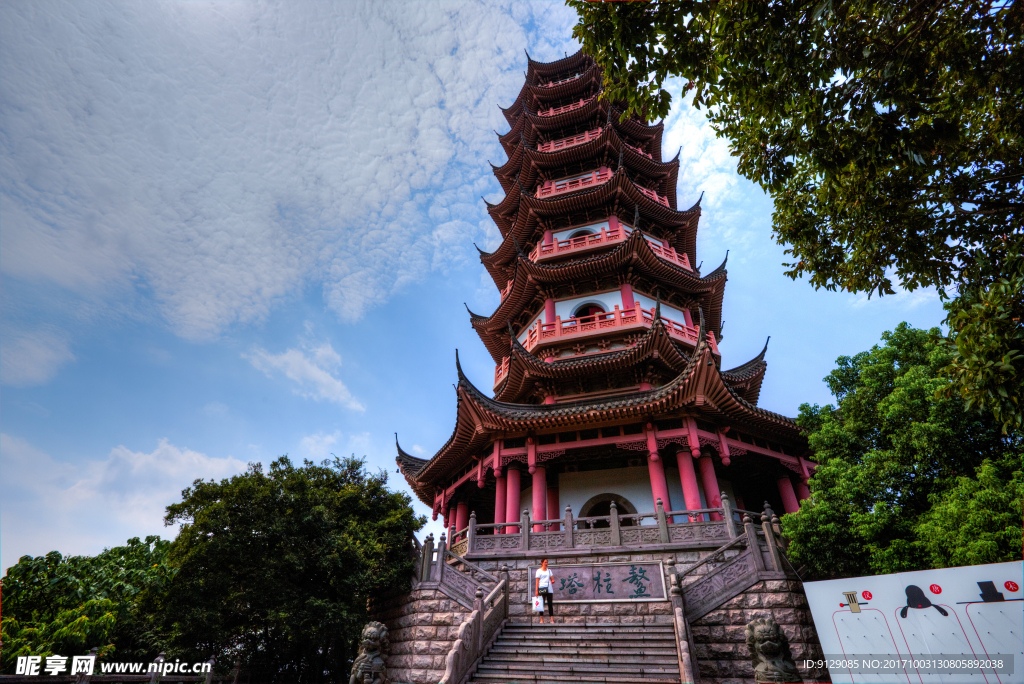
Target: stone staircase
{"type": "Point", "coordinates": [584, 653]}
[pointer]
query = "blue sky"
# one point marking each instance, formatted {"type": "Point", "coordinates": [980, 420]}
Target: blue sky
{"type": "Point", "coordinates": [230, 231]}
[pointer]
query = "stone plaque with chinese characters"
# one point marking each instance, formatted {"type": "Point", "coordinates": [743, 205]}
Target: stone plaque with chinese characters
{"type": "Point", "coordinates": [642, 581]}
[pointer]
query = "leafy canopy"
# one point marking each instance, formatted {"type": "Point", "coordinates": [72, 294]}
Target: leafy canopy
{"type": "Point", "coordinates": [274, 568]}
{"type": "Point", "coordinates": [889, 135]}
{"type": "Point", "coordinates": [910, 476]}
{"type": "Point", "coordinates": [69, 604]}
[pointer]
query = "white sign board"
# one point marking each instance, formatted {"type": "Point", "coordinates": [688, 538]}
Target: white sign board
{"type": "Point", "coordinates": [948, 626]}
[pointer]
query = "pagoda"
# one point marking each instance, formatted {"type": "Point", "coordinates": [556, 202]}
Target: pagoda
{"type": "Point", "coordinates": [608, 385]}
{"type": "Point", "coordinates": [612, 443]}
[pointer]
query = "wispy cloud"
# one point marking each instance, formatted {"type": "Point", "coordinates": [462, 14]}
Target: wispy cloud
{"type": "Point", "coordinates": [319, 445]}
{"type": "Point", "coordinates": [32, 357]}
{"type": "Point", "coordinates": [48, 504]}
{"type": "Point", "coordinates": [312, 372]}
{"type": "Point", "coordinates": [214, 160]}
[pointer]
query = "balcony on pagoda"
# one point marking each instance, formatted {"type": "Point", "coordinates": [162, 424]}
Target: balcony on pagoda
{"type": "Point", "coordinates": [571, 141]}
{"type": "Point", "coordinates": [552, 84]}
{"type": "Point", "coordinates": [555, 111]}
{"type": "Point", "coordinates": [637, 150]}
{"type": "Point", "coordinates": [573, 183]}
{"type": "Point", "coordinates": [584, 239]}
{"type": "Point", "coordinates": [653, 195]}
{"type": "Point", "coordinates": [603, 323]}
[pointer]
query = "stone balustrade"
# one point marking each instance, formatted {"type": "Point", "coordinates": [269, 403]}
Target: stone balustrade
{"type": "Point", "coordinates": [672, 529]}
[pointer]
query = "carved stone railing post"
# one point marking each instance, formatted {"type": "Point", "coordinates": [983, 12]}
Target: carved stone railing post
{"type": "Point", "coordinates": [209, 672]}
{"type": "Point", "coordinates": [442, 551]}
{"type": "Point", "coordinates": [471, 533]}
{"type": "Point", "coordinates": [154, 677]}
{"type": "Point", "coordinates": [777, 526]}
{"type": "Point", "coordinates": [730, 525]}
{"type": "Point", "coordinates": [524, 531]}
{"type": "Point", "coordinates": [659, 510]}
{"type": "Point", "coordinates": [451, 535]}
{"type": "Point", "coordinates": [616, 532]}
{"type": "Point", "coordinates": [508, 585]}
{"type": "Point", "coordinates": [752, 543]}
{"type": "Point", "coordinates": [568, 527]}
{"type": "Point", "coordinates": [769, 538]}
{"type": "Point", "coordinates": [478, 605]}
{"type": "Point", "coordinates": [682, 632]}
{"type": "Point", "coordinates": [426, 560]}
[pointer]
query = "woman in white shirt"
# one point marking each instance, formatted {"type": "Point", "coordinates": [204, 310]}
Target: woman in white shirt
{"type": "Point", "coordinates": [543, 586]}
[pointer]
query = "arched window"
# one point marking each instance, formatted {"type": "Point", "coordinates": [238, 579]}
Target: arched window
{"type": "Point", "coordinates": [581, 233]}
{"type": "Point", "coordinates": [588, 309]}
{"type": "Point", "coordinates": [601, 505]}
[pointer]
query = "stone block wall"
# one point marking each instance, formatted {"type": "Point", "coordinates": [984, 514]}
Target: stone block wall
{"type": "Point", "coordinates": [720, 636]}
{"type": "Point", "coordinates": [422, 626]}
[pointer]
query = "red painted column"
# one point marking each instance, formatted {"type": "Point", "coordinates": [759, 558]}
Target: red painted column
{"type": "Point", "coordinates": [688, 318]}
{"type": "Point", "coordinates": [461, 517]}
{"type": "Point", "coordinates": [628, 302]}
{"type": "Point", "coordinates": [553, 510]}
{"type": "Point", "coordinates": [548, 239]}
{"type": "Point", "coordinates": [789, 501]}
{"type": "Point", "coordinates": [656, 471]}
{"type": "Point", "coordinates": [549, 310]}
{"type": "Point", "coordinates": [645, 387]}
{"type": "Point", "coordinates": [539, 486]}
{"type": "Point", "coordinates": [449, 519]}
{"type": "Point", "coordinates": [802, 490]}
{"type": "Point", "coordinates": [710, 482]}
{"type": "Point", "coordinates": [499, 503]}
{"type": "Point", "coordinates": [512, 499]}
{"type": "Point", "coordinates": [691, 493]}
{"type": "Point", "coordinates": [613, 222]}
{"type": "Point", "coordinates": [550, 399]}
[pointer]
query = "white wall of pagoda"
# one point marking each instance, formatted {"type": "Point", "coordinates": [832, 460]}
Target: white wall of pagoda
{"type": "Point", "coordinates": [633, 484]}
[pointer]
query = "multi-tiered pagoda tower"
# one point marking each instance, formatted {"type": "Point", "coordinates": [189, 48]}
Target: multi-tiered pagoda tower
{"type": "Point", "coordinates": [608, 382]}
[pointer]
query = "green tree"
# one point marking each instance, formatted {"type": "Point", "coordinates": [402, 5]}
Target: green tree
{"type": "Point", "coordinates": [889, 135]}
{"type": "Point", "coordinates": [910, 477]}
{"type": "Point", "coordinates": [275, 567]}
{"type": "Point", "coordinates": [68, 604]}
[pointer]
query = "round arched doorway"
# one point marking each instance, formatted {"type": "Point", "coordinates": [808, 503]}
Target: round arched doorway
{"type": "Point", "coordinates": [601, 505]}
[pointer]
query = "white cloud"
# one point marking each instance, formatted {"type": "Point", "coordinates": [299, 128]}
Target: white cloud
{"type": "Point", "coordinates": [76, 509]}
{"type": "Point", "coordinates": [312, 374]}
{"type": "Point", "coordinates": [319, 445]}
{"type": "Point", "coordinates": [217, 158]}
{"type": "Point", "coordinates": [417, 449]}
{"type": "Point", "coordinates": [32, 357]}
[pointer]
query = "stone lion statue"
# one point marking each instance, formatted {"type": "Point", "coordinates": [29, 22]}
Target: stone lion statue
{"type": "Point", "coordinates": [370, 666]}
{"type": "Point", "coordinates": [770, 654]}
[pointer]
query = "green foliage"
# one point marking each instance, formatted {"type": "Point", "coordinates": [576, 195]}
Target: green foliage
{"type": "Point", "coordinates": [72, 631]}
{"type": "Point", "coordinates": [987, 328]}
{"type": "Point", "coordinates": [275, 568]}
{"type": "Point", "coordinates": [910, 476]}
{"type": "Point", "coordinates": [73, 603]}
{"type": "Point", "coordinates": [889, 135]}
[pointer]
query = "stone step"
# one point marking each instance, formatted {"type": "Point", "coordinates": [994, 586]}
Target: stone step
{"type": "Point", "coordinates": [626, 670]}
{"type": "Point", "coordinates": [548, 678]}
{"type": "Point", "coordinates": [605, 640]}
{"type": "Point", "coordinates": [669, 659]}
{"type": "Point", "coordinates": [669, 649]}
{"type": "Point", "coordinates": [599, 628]}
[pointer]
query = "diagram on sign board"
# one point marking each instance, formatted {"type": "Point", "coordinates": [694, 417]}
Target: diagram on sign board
{"type": "Point", "coordinates": [948, 626]}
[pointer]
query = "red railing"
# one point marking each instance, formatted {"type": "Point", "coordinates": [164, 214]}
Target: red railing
{"type": "Point", "coordinates": [501, 370]}
{"type": "Point", "coordinates": [599, 324]}
{"type": "Point", "coordinates": [555, 145]}
{"type": "Point", "coordinates": [607, 236]}
{"type": "Point", "coordinates": [554, 111]}
{"type": "Point", "coordinates": [653, 195]}
{"type": "Point", "coordinates": [552, 84]}
{"type": "Point", "coordinates": [508, 288]}
{"type": "Point", "coordinates": [637, 150]}
{"type": "Point", "coordinates": [572, 184]}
